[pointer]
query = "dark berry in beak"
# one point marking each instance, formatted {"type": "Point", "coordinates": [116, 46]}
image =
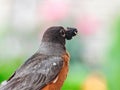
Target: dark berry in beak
{"type": "Point", "coordinates": [70, 33]}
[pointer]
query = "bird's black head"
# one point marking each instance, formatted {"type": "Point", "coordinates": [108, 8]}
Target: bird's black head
{"type": "Point", "coordinates": [57, 34]}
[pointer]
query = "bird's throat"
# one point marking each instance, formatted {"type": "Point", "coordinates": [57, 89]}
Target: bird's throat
{"type": "Point", "coordinates": [51, 48]}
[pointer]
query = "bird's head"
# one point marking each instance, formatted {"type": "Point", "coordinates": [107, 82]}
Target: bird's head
{"type": "Point", "coordinates": [57, 34]}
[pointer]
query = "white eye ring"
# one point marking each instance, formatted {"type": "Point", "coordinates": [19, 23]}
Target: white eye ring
{"type": "Point", "coordinates": [62, 32]}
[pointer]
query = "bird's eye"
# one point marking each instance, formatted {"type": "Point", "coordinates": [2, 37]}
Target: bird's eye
{"type": "Point", "coordinates": [62, 32]}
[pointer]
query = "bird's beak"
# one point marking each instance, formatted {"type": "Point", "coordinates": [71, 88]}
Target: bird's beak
{"type": "Point", "coordinates": [70, 32]}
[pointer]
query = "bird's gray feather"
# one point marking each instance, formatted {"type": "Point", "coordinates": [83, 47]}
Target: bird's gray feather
{"type": "Point", "coordinates": [35, 73]}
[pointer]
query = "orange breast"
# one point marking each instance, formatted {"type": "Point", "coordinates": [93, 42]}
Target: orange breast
{"type": "Point", "coordinates": [58, 82]}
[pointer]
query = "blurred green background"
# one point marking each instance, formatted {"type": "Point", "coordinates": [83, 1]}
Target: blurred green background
{"type": "Point", "coordinates": [95, 52]}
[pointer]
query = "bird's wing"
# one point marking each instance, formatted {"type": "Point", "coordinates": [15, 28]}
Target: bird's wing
{"type": "Point", "coordinates": [34, 74]}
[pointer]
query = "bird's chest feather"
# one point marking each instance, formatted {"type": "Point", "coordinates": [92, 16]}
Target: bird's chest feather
{"type": "Point", "coordinates": [58, 82]}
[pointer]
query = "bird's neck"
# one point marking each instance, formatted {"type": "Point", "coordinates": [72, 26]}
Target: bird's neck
{"type": "Point", "coordinates": [49, 48]}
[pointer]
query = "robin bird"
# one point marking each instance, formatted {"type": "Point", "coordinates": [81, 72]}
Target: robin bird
{"type": "Point", "coordinates": [48, 67]}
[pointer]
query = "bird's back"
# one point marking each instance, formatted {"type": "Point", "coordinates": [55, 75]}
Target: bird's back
{"type": "Point", "coordinates": [35, 73]}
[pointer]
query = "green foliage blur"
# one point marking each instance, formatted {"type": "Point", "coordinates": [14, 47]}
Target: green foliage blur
{"type": "Point", "coordinates": [113, 64]}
